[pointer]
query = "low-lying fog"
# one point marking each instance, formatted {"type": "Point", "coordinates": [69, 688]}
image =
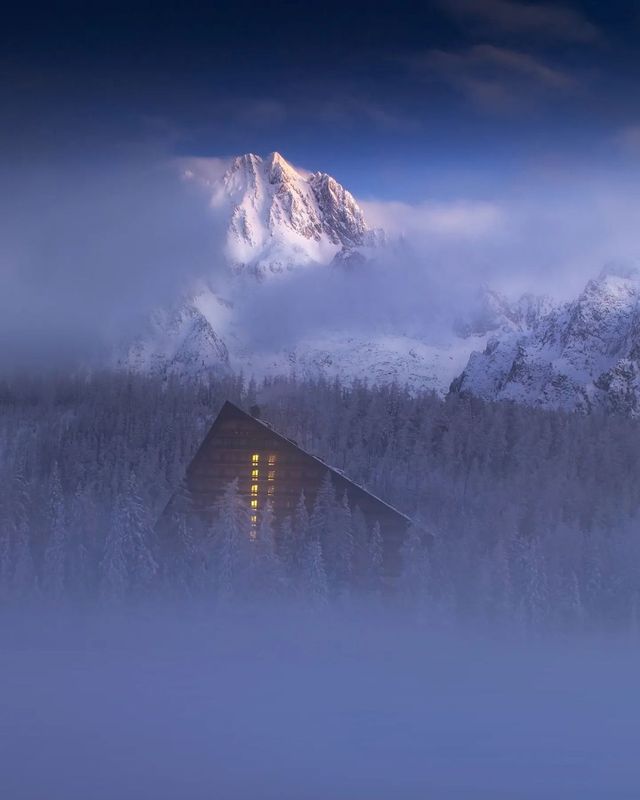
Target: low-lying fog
{"type": "Point", "coordinates": [276, 704]}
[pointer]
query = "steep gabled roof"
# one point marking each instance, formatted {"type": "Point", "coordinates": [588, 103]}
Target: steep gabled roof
{"type": "Point", "coordinates": [359, 495]}
{"type": "Point", "coordinates": [229, 406]}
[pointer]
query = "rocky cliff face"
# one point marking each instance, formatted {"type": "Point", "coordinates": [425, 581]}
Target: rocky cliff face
{"type": "Point", "coordinates": [280, 218]}
{"type": "Point", "coordinates": [580, 356]}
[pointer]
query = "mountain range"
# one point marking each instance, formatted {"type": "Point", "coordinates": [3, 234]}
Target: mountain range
{"type": "Point", "coordinates": [579, 356]}
{"type": "Point", "coordinates": [280, 221]}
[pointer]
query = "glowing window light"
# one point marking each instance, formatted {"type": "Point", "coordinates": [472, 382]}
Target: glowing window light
{"type": "Point", "coordinates": [254, 488]}
{"type": "Point", "coordinates": [272, 460]}
{"type": "Point", "coordinates": [254, 519]}
{"type": "Point", "coordinates": [255, 458]}
{"type": "Point", "coordinates": [255, 473]}
{"type": "Point", "coordinates": [254, 503]}
{"type": "Point", "coordinates": [271, 475]}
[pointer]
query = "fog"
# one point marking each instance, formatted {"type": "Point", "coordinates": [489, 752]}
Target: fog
{"type": "Point", "coordinates": [503, 663]}
{"type": "Point", "coordinates": [397, 294]}
{"type": "Point", "coordinates": [88, 247]}
{"type": "Point", "coordinates": [276, 704]}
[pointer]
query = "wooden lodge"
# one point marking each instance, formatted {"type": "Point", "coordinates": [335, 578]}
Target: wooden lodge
{"type": "Point", "coordinates": [271, 467]}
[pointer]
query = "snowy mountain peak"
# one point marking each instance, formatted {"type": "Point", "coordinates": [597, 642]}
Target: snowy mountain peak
{"type": "Point", "coordinates": [279, 169]}
{"type": "Point", "coordinates": [280, 217]}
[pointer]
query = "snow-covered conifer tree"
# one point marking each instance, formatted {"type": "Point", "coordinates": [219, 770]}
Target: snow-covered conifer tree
{"type": "Point", "coordinates": [415, 575]}
{"type": "Point", "coordinates": [266, 568]}
{"type": "Point", "coordinates": [56, 549]}
{"type": "Point", "coordinates": [375, 557]}
{"type": "Point", "coordinates": [313, 574]}
{"type": "Point", "coordinates": [231, 533]}
{"type": "Point", "coordinates": [128, 567]}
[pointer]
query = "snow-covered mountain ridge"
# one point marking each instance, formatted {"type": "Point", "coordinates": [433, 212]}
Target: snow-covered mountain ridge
{"type": "Point", "coordinates": [580, 356]}
{"type": "Point", "coordinates": [280, 222]}
{"type": "Point", "coordinates": [280, 218]}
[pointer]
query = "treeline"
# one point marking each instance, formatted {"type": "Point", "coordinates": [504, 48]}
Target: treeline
{"type": "Point", "coordinates": [533, 516]}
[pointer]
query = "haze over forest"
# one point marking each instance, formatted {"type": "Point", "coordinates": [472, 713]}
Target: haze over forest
{"type": "Point", "coordinates": [401, 239]}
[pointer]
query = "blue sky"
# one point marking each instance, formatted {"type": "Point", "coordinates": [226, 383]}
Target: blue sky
{"type": "Point", "coordinates": [399, 100]}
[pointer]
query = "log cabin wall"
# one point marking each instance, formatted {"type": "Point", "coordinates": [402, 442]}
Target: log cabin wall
{"type": "Point", "coordinates": [270, 467]}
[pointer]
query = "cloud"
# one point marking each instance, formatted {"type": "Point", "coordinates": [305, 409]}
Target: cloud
{"type": "Point", "coordinates": [494, 78]}
{"type": "Point", "coordinates": [464, 218]}
{"type": "Point", "coordinates": [205, 171]}
{"type": "Point", "coordinates": [628, 139]}
{"type": "Point", "coordinates": [548, 230]}
{"type": "Point", "coordinates": [87, 250]}
{"type": "Point", "coordinates": [507, 17]}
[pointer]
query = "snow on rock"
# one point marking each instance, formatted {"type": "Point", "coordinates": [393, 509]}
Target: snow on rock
{"type": "Point", "coordinates": [181, 340]}
{"type": "Point", "coordinates": [281, 218]}
{"type": "Point", "coordinates": [579, 356]}
{"type": "Point", "coordinates": [377, 359]}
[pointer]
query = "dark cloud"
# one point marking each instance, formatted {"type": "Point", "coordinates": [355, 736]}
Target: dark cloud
{"type": "Point", "coordinates": [494, 78]}
{"type": "Point", "coordinates": [547, 21]}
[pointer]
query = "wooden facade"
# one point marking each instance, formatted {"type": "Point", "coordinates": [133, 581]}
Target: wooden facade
{"type": "Point", "coordinates": [270, 467]}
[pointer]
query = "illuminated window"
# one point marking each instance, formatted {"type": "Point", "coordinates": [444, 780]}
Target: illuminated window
{"type": "Point", "coordinates": [255, 458]}
{"type": "Point", "coordinates": [254, 519]}
{"type": "Point", "coordinates": [270, 490]}
{"type": "Point", "coordinates": [272, 460]}
{"type": "Point", "coordinates": [254, 503]}
{"type": "Point", "coordinates": [255, 473]}
{"type": "Point", "coordinates": [254, 488]}
{"type": "Point", "coordinates": [271, 475]}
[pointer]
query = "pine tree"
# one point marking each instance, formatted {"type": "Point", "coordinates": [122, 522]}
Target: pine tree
{"type": "Point", "coordinates": [183, 556]}
{"type": "Point", "coordinates": [24, 582]}
{"type": "Point", "coordinates": [321, 520]}
{"type": "Point", "coordinates": [314, 577]}
{"type": "Point", "coordinates": [232, 553]}
{"type": "Point", "coordinates": [301, 528]}
{"type": "Point", "coordinates": [24, 573]}
{"type": "Point", "coordinates": [81, 543]}
{"type": "Point", "coordinates": [139, 539]}
{"type": "Point", "coordinates": [375, 557]}
{"type": "Point", "coordinates": [288, 548]}
{"type": "Point", "coordinates": [55, 555]}
{"type": "Point", "coordinates": [361, 554]}
{"type": "Point", "coordinates": [128, 567]}
{"type": "Point", "coordinates": [415, 575]}
{"type": "Point", "coordinates": [266, 571]}
{"type": "Point", "coordinates": [501, 592]}
{"type": "Point", "coordinates": [535, 587]}
{"type": "Point", "coordinates": [342, 536]}
{"type": "Point", "coordinates": [114, 571]}
{"type": "Point", "coordinates": [6, 564]}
